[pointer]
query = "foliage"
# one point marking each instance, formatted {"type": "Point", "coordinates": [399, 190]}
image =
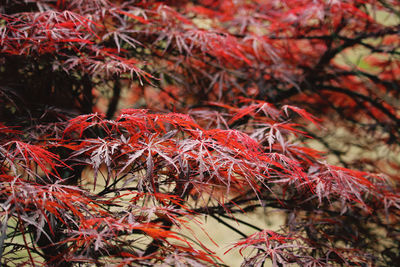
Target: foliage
{"type": "Point", "coordinates": [215, 123]}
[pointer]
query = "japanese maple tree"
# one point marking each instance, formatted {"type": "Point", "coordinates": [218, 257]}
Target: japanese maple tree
{"type": "Point", "coordinates": [123, 121]}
